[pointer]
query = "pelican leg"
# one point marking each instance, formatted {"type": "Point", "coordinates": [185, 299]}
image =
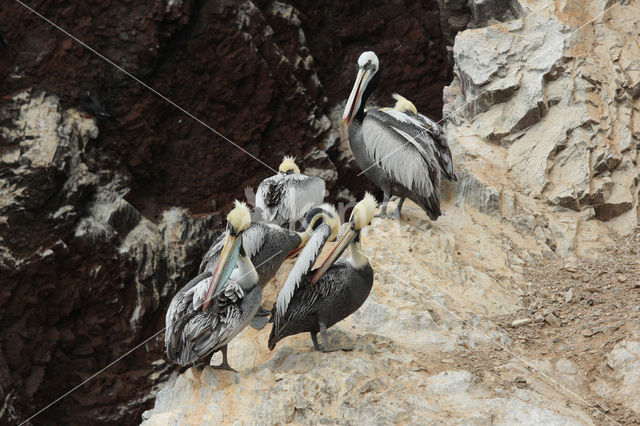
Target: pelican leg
{"type": "Point", "coordinates": [262, 312]}
{"type": "Point", "coordinates": [194, 365]}
{"type": "Point", "coordinates": [385, 201]}
{"type": "Point", "coordinates": [325, 340]}
{"type": "Point", "coordinates": [225, 363]}
{"type": "Point", "coordinates": [260, 319]}
{"type": "Point", "coordinates": [397, 212]}
{"type": "Point", "coordinates": [314, 338]}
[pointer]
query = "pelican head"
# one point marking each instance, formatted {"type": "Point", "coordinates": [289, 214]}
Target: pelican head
{"type": "Point", "coordinates": [288, 166]}
{"type": "Point", "coordinates": [403, 104]}
{"type": "Point", "coordinates": [316, 216]}
{"type": "Point", "coordinates": [368, 66]}
{"type": "Point", "coordinates": [361, 216]}
{"type": "Point", "coordinates": [238, 220]}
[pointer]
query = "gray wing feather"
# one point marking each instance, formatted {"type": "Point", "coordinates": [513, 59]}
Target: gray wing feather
{"type": "Point", "coordinates": [286, 198]}
{"type": "Point", "coordinates": [401, 156]}
{"type": "Point", "coordinates": [178, 312]}
{"type": "Point", "coordinates": [301, 192]}
{"type": "Point", "coordinates": [266, 198]}
{"type": "Point", "coordinates": [207, 332]}
{"type": "Point", "coordinates": [300, 270]}
{"type": "Point", "coordinates": [253, 239]}
{"type": "Point", "coordinates": [192, 334]}
{"type": "Point", "coordinates": [427, 133]}
{"type": "Point", "coordinates": [435, 133]}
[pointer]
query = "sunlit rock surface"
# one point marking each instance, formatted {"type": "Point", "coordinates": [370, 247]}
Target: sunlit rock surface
{"type": "Point", "coordinates": [545, 112]}
{"type": "Point", "coordinates": [435, 284]}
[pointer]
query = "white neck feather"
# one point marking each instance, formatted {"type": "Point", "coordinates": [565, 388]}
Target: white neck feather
{"type": "Point", "coordinates": [245, 274]}
{"type": "Point", "coordinates": [358, 259]}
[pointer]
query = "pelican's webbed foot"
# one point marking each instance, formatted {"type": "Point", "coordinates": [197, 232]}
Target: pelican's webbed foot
{"type": "Point", "coordinates": [224, 365]}
{"type": "Point", "coordinates": [344, 349]}
{"type": "Point", "coordinates": [325, 341]}
{"type": "Point", "coordinates": [396, 213]}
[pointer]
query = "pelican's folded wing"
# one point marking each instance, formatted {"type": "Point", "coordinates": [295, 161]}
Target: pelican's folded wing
{"type": "Point", "coordinates": [391, 141]}
{"type": "Point", "coordinates": [179, 312]}
{"type": "Point", "coordinates": [433, 132]}
{"type": "Point", "coordinates": [300, 271]}
{"type": "Point", "coordinates": [301, 193]}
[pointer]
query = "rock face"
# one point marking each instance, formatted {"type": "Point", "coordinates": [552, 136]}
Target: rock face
{"type": "Point", "coordinates": [542, 129]}
{"type": "Point", "coordinates": [554, 111]}
{"type": "Point", "coordinates": [83, 271]}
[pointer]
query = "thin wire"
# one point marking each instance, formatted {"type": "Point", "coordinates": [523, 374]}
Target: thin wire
{"type": "Point", "coordinates": [487, 89]}
{"type": "Point", "coordinates": [500, 345]}
{"type": "Point", "coordinates": [127, 353]}
{"type": "Point", "coordinates": [104, 58]}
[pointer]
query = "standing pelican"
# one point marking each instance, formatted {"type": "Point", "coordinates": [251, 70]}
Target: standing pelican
{"type": "Point", "coordinates": [268, 246]}
{"type": "Point", "coordinates": [314, 300]}
{"type": "Point", "coordinates": [210, 311]}
{"type": "Point", "coordinates": [287, 196]}
{"type": "Point", "coordinates": [403, 152]}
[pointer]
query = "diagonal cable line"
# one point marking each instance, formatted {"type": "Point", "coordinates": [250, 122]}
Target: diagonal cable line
{"type": "Point", "coordinates": [495, 342]}
{"type": "Point", "coordinates": [535, 12]}
{"type": "Point", "coordinates": [119, 68]}
{"type": "Point", "coordinates": [123, 356]}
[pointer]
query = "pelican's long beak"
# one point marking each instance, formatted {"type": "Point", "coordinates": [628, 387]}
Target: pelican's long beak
{"type": "Point", "coordinates": [337, 251]}
{"type": "Point", "coordinates": [353, 104]}
{"type": "Point", "coordinates": [226, 264]}
{"type": "Point", "coordinates": [294, 251]}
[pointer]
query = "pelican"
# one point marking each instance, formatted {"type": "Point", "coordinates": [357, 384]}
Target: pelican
{"type": "Point", "coordinates": [212, 309]}
{"type": "Point", "coordinates": [403, 152]}
{"type": "Point", "coordinates": [287, 196]}
{"type": "Point", "coordinates": [314, 300]}
{"type": "Point", "coordinates": [268, 245]}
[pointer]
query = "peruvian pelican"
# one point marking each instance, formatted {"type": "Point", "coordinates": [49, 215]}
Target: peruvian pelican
{"type": "Point", "coordinates": [287, 196]}
{"type": "Point", "coordinates": [403, 152]}
{"type": "Point", "coordinates": [268, 246]}
{"type": "Point", "coordinates": [207, 313]}
{"type": "Point", "coordinates": [314, 300]}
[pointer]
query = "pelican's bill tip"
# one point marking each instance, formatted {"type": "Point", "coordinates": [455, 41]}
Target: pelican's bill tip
{"type": "Point", "coordinates": [368, 56]}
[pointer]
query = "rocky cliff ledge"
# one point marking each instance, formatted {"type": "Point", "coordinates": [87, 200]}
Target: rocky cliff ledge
{"type": "Point", "coordinates": [508, 309]}
{"type": "Point", "coordinates": [100, 222]}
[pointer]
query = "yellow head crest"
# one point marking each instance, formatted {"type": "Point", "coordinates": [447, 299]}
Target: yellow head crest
{"type": "Point", "coordinates": [289, 165]}
{"type": "Point", "coordinates": [403, 104]}
{"type": "Point", "coordinates": [239, 217]}
{"type": "Point", "coordinates": [364, 211]}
